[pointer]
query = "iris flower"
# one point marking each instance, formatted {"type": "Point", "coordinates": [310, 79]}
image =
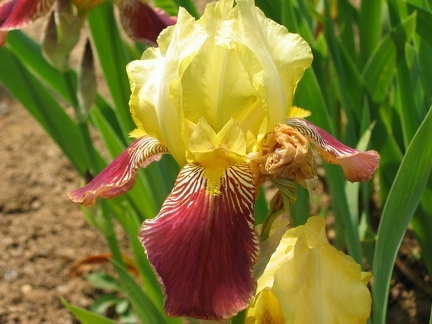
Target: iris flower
{"type": "Point", "coordinates": [140, 21]}
{"type": "Point", "coordinates": [308, 281]}
{"type": "Point", "coordinates": [216, 94]}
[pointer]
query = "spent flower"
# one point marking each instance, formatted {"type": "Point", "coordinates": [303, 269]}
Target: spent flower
{"type": "Point", "coordinates": [216, 94]}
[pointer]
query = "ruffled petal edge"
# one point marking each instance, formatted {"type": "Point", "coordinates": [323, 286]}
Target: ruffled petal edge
{"type": "Point", "coordinates": [120, 175]}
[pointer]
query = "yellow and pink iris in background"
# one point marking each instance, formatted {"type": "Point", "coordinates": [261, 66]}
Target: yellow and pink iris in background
{"type": "Point", "coordinates": [217, 95]}
{"type": "Point", "coordinates": [140, 21]}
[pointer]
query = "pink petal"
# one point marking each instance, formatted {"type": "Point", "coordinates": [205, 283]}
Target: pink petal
{"type": "Point", "coordinates": [16, 14]}
{"type": "Point", "coordinates": [204, 247]}
{"type": "Point", "coordinates": [120, 176]}
{"type": "Point", "coordinates": [142, 22]}
{"type": "Point", "coordinates": [356, 165]}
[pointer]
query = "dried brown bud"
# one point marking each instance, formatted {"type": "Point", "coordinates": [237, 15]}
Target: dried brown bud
{"type": "Point", "coordinates": [287, 154]}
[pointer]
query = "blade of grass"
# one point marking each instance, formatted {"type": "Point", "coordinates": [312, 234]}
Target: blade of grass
{"type": "Point", "coordinates": [113, 57]}
{"type": "Point", "coordinates": [369, 27]}
{"type": "Point", "coordinates": [141, 303]}
{"type": "Point", "coordinates": [169, 6]}
{"type": "Point", "coordinates": [44, 108]}
{"type": "Point", "coordinates": [352, 111]}
{"type": "Point", "coordinates": [131, 224]}
{"type": "Point", "coordinates": [30, 54]}
{"type": "Point", "coordinates": [189, 6]}
{"type": "Point", "coordinates": [401, 203]}
{"type": "Point", "coordinates": [380, 68]}
{"type": "Point", "coordinates": [271, 8]}
{"type": "Point", "coordinates": [64, 84]}
{"type": "Point", "coordinates": [422, 225]}
{"type": "Point", "coordinates": [424, 22]}
{"type": "Point", "coordinates": [86, 316]}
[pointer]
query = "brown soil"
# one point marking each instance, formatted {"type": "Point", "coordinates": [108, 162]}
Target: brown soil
{"type": "Point", "coordinates": [41, 232]}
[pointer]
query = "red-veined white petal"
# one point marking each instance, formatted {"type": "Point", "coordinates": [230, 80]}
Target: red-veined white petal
{"type": "Point", "coordinates": [357, 165]}
{"type": "Point", "coordinates": [120, 176]}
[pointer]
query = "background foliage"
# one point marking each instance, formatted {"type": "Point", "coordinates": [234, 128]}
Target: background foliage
{"type": "Point", "coordinates": [369, 86]}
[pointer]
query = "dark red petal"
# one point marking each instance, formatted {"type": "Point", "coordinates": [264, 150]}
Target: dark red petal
{"type": "Point", "coordinates": [120, 176]}
{"type": "Point", "coordinates": [18, 13]}
{"type": "Point", "coordinates": [142, 22]}
{"type": "Point", "coordinates": [357, 165]}
{"type": "Point", "coordinates": [204, 247]}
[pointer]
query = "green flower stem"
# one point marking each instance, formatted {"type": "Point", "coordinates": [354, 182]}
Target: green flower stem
{"type": "Point", "coordinates": [280, 203]}
{"type": "Point", "coordinates": [82, 121]}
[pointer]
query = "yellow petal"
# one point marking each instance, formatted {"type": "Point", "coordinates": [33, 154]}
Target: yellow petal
{"type": "Point", "coordinates": [320, 284]}
{"type": "Point", "coordinates": [144, 97]}
{"type": "Point", "coordinates": [274, 59]}
{"type": "Point", "coordinates": [153, 105]}
{"type": "Point", "coordinates": [223, 149]}
{"type": "Point", "coordinates": [220, 80]}
{"type": "Point", "coordinates": [297, 112]}
{"type": "Point", "coordinates": [264, 310]}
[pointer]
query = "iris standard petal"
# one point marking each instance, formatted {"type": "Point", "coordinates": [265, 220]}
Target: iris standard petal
{"type": "Point", "coordinates": [274, 59]}
{"type": "Point", "coordinates": [16, 14]}
{"type": "Point", "coordinates": [145, 78]}
{"type": "Point", "coordinates": [178, 45]}
{"type": "Point", "coordinates": [218, 77]}
{"type": "Point", "coordinates": [203, 246]}
{"type": "Point", "coordinates": [357, 165]}
{"type": "Point", "coordinates": [120, 176]}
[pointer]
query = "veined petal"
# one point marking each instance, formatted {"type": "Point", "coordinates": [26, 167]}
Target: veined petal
{"type": "Point", "coordinates": [356, 165]}
{"type": "Point", "coordinates": [142, 22]}
{"type": "Point", "coordinates": [16, 14]}
{"type": "Point", "coordinates": [203, 246]}
{"type": "Point", "coordinates": [120, 176]}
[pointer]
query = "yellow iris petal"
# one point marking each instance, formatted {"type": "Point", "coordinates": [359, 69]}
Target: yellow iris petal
{"type": "Point", "coordinates": [313, 282]}
{"type": "Point", "coordinates": [274, 59]}
{"type": "Point", "coordinates": [265, 310]}
{"type": "Point", "coordinates": [232, 63]}
{"type": "Point", "coordinates": [297, 112]}
{"type": "Point", "coordinates": [227, 147]}
{"type": "Point", "coordinates": [217, 151]}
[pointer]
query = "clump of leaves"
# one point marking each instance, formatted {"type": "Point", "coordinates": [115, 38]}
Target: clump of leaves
{"type": "Point", "coordinates": [112, 302]}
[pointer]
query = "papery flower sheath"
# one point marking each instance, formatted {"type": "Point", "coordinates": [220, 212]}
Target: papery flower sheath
{"type": "Point", "coordinates": [308, 281]}
{"type": "Point", "coordinates": [215, 94]}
